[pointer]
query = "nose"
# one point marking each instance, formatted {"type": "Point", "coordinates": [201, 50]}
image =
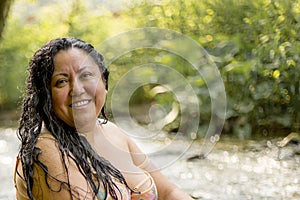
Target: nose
{"type": "Point", "coordinates": [76, 88]}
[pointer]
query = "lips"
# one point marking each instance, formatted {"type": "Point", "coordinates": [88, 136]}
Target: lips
{"type": "Point", "coordinates": [80, 103]}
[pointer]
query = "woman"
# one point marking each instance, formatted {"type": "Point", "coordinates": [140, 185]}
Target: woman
{"type": "Point", "coordinates": [67, 152]}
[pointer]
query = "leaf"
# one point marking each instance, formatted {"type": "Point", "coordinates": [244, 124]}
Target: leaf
{"type": "Point", "coordinates": [262, 90]}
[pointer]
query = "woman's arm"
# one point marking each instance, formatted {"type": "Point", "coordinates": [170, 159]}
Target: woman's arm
{"type": "Point", "coordinates": [166, 189]}
{"type": "Point", "coordinates": [63, 179]}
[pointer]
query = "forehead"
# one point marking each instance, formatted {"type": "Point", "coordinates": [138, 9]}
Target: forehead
{"type": "Point", "coordinates": [72, 58]}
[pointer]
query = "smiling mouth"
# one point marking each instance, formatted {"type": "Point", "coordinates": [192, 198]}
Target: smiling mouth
{"type": "Point", "coordinates": [80, 103]}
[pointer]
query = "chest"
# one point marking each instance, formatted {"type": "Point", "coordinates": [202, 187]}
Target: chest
{"type": "Point", "coordinates": [114, 150]}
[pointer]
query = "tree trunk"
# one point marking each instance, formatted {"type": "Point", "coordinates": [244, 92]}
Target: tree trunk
{"type": "Point", "coordinates": [4, 8]}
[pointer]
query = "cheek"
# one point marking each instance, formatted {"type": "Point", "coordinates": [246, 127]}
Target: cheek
{"type": "Point", "coordinates": [58, 99]}
{"type": "Point", "coordinates": [100, 96]}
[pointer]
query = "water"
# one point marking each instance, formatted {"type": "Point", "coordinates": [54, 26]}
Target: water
{"type": "Point", "coordinates": [8, 150]}
{"type": "Point", "coordinates": [233, 170]}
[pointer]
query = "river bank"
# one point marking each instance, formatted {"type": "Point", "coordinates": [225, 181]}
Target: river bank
{"type": "Point", "coordinates": [234, 169]}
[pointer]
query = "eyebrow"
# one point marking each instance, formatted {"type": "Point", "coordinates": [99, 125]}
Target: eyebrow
{"type": "Point", "coordinates": [82, 68]}
{"type": "Point", "coordinates": [66, 74]}
{"type": "Point", "coordinates": [60, 74]}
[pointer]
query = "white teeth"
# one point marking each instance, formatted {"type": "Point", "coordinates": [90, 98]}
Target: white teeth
{"type": "Point", "coordinates": [80, 103]}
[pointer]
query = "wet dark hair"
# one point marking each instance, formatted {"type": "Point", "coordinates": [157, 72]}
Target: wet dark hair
{"type": "Point", "coordinates": [38, 110]}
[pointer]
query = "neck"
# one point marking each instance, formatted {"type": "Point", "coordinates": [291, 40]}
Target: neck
{"type": "Point", "coordinates": [90, 130]}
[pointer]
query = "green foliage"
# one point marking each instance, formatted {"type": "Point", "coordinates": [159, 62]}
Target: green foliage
{"type": "Point", "coordinates": [255, 45]}
{"type": "Point", "coordinates": [30, 25]}
{"type": "Point", "coordinates": [266, 91]}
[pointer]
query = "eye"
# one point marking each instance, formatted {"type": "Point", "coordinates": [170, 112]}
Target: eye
{"type": "Point", "coordinates": [61, 82]}
{"type": "Point", "coordinates": [86, 75]}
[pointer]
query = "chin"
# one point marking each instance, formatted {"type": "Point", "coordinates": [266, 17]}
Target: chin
{"type": "Point", "coordinates": [84, 120]}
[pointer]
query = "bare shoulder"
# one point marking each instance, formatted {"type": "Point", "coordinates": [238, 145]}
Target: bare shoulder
{"type": "Point", "coordinates": [48, 146]}
{"type": "Point", "coordinates": [61, 169]}
{"type": "Point", "coordinates": [50, 155]}
{"type": "Point", "coordinates": [118, 136]}
{"type": "Point", "coordinates": [46, 153]}
{"type": "Point", "coordinates": [112, 128]}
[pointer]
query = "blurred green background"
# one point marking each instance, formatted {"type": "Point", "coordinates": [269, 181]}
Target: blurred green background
{"type": "Point", "coordinates": [255, 45]}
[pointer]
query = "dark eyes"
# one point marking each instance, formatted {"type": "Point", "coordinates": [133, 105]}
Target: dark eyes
{"type": "Point", "coordinates": [63, 81]}
{"type": "Point", "coordinates": [85, 75]}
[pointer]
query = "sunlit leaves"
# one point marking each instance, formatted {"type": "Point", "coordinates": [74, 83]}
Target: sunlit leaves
{"type": "Point", "coordinates": [255, 44]}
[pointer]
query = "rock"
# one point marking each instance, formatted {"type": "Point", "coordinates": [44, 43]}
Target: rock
{"type": "Point", "coordinates": [291, 138]}
{"type": "Point", "coordinates": [289, 146]}
{"type": "Point", "coordinates": [196, 157]}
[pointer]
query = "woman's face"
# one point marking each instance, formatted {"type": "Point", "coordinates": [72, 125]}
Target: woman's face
{"type": "Point", "coordinates": [78, 91]}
